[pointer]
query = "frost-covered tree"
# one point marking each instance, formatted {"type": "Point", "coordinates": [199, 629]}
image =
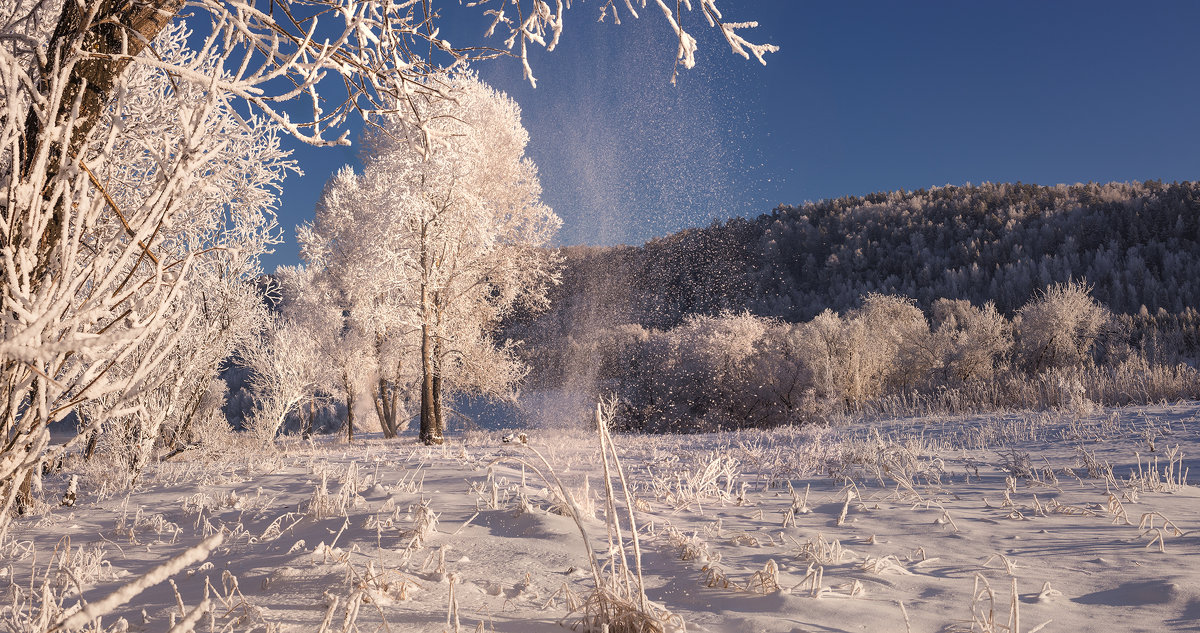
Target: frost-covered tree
{"type": "Point", "coordinates": [287, 368]}
{"type": "Point", "coordinates": [1059, 326]}
{"type": "Point", "coordinates": [436, 249]}
{"type": "Point", "coordinates": [894, 349]}
{"type": "Point", "coordinates": [173, 190]}
{"type": "Point", "coordinates": [971, 341]}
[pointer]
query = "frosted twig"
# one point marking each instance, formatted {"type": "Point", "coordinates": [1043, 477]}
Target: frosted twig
{"type": "Point", "coordinates": [123, 595]}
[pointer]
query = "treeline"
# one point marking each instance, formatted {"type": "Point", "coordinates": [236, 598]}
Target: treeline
{"type": "Point", "coordinates": [657, 324]}
{"type": "Point", "coordinates": [737, 370]}
{"type": "Point", "coordinates": [1136, 244]}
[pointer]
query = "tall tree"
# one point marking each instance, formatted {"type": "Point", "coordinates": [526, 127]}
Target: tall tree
{"type": "Point", "coordinates": [438, 248]}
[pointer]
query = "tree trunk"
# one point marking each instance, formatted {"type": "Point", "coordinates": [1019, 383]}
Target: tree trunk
{"type": "Point", "coordinates": [378, 400]}
{"type": "Point", "coordinates": [431, 430]}
{"type": "Point", "coordinates": [387, 407]}
{"type": "Point", "coordinates": [349, 414]}
{"type": "Point", "coordinates": [119, 28]}
{"type": "Point", "coordinates": [90, 449]}
{"type": "Point", "coordinates": [25, 494]}
{"type": "Point", "coordinates": [437, 404]}
{"type": "Point", "coordinates": [184, 432]}
{"type": "Point", "coordinates": [306, 424]}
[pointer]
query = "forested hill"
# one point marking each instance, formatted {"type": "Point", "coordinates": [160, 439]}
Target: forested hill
{"type": "Point", "coordinates": [1138, 245]}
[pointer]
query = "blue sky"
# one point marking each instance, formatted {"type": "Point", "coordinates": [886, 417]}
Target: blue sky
{"type": "Point", "coordinates": [863, 96]}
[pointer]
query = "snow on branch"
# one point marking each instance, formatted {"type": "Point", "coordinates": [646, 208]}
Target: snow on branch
{"type": "Point", "coordinates": [537, 23]}
{"type": "Point", "coordinates": [102, 607]}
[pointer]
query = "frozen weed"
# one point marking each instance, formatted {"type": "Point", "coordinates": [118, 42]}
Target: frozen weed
{"type": "Point", "coordinates": [766, 580]}
{"type": "Point", "coordinates": [1010, 565]}
{"type": "Point", "coordinates": [821, 552]}
{"type": "Point", "coordinates": [617, 602]}
{"type": "Point", "coordinates": [884, 565]}
{"type": "Point", "coordinates": [689, 548]}
{"type": "Point", "coordinates": [1017, 463]}
{"type": "Point", "coordinates": [711, 479]}
{"type": "Point", "coordinates": [1153, 478]}
{"type": "Point", "coordinates": [582, 500]}
{"type": "Point", "coordinates": [1157, 534]}
{"type": "Point", "coordinates": [1091, 464]}
{"type": "Point", "coordinates": [813, 582]}
{"type": "Point", "coordinates": [47, 609]}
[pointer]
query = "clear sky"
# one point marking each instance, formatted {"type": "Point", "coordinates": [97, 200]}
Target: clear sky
{"type": "Point", "coordinates": [863, 96]}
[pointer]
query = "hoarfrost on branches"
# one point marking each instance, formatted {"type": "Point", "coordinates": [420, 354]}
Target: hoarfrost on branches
{"type": "Point", "coordinates": [173, 190]}
{"type": "Point", "coordinates": [433, 250]}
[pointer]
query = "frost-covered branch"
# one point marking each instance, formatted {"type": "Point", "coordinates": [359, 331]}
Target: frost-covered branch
{"type": "Point", "coordinates": [104, 606]}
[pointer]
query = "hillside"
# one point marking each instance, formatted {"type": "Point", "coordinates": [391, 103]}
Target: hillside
{"type": "Point", "coordinates": [1137, 244]}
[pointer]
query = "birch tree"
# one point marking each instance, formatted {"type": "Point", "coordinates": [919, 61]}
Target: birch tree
{"type": "Point", "coordinates": [438, 248]}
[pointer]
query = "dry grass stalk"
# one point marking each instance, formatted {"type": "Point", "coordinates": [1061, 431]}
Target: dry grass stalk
{"type": "Point", "coordinates": [850, 496]}
{"type": "Point", "coordinates": [818, 550]}
{"type": "Point", "coordinates": [766, 580]}
{"type": "Point", "coordinates": [452, 620]}
{"type": "Point", "coordinates": [884, 565]}
{"type": "Point", "coordinates": [1117, 509]}
{"type": "Point", "coordinates": [570, 599]}
{"type": "Point", "coordinates": [813, 582]}
{"type": "Point", "coordinates": [799, 506]}
{"type": "Point", "coordinates": [689, 548]}
{"type": "Point", "coordinates": [1010, 565]}
{"type": "Point", "coordinates": [333, 605]}
{"type": "Point", "coordinates": [618, 603]}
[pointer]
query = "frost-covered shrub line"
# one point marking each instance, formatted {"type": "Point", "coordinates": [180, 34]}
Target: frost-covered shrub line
{"type": "Point", "coordinates": [887, 358]}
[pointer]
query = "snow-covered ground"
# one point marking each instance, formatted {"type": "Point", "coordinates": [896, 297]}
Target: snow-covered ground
{"type": "Point", "coordinates": [919, 525]}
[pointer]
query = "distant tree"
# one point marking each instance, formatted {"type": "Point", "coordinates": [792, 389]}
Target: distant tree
{"type": "Point", "coordinates": [895, 353]}
{"type": "Point", "coordinates": [327, 304]}
{"type": "Point", "coordinates": [837, 350]}
{"type": "Point", "coordinates": [971, 341]}
{"type": "Point", "coordinates": [286, 369]}
{"type": "Point", "coordinates": [1059, 327]}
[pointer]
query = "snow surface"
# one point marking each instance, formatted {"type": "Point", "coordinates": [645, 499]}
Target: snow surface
{"type": "Point", "coordinates": [939, 511]}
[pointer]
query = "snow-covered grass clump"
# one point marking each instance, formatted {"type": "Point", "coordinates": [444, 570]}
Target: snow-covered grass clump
{"type": "Point", "coordinates": [1019, 522]}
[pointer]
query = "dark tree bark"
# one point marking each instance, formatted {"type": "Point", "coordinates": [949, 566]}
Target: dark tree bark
{"type": "Point", "coordinates": [184, 432]}
{"type": "Point", "coordinates": [386, 407]}
{"type": "Point", "coordinates": [90, 449]}
{"type": "Point", "coordinates": [119, 30]}
{"type": "Point", "coordinates": [306, 423]}
{"type": "Point", "coordinates": [431, 429]}
{"type": "Point", "coordinates": [349, 412]}
{"type": "Point", "coordinates": [438, 420]}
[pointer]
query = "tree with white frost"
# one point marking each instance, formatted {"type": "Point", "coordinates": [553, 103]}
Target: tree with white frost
{"type": "Point", "coordinates": [972, 341]}
{"type": "Point", "coordinates": [286, 369]}
{"type": "Point", "coordinates": [1058, 327]}
{"type": "Point", "coordinates": [455, 241]}
{"type": "Point", "coordinates": [173, 189]}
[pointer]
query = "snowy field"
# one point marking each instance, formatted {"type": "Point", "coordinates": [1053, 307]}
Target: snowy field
{"type": "Point", "coordinates": [1016, 522]}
